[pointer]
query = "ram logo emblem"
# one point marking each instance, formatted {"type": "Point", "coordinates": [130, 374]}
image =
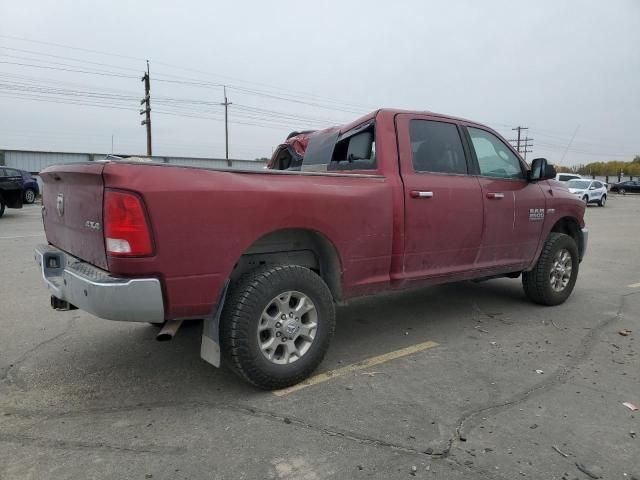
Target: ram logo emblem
{"type": "Point", "coordinates": [60, 204]}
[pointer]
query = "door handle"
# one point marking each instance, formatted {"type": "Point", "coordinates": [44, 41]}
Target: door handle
{"type": "Point", "coordinates": [421, 194]}
{"type": "Point", "coordinates": [495, 195]}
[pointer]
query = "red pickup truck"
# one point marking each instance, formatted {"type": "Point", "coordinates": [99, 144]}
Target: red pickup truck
{"type": "Point", "coordinates": [394, 200]}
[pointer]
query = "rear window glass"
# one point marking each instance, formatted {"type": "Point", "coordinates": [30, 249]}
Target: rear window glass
{"type": "Point", "coordinates": [332, 151]}
{"type": "Point", "coordinates": [436, 147]}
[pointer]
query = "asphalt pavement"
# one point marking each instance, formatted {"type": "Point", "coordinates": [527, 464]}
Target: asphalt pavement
{"type": "Point", "coordinates": [468, 380]}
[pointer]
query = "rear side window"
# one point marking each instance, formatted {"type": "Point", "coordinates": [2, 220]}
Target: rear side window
{"type": "Point", "coordinates": [494, 157]}
{"type": "Point", "coordinates": [436, 147]}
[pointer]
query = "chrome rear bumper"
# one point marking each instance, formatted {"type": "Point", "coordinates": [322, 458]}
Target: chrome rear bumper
{"type": "Point", "coordinates": [96, 291]}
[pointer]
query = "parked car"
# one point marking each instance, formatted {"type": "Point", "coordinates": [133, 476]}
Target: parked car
{"type": "Point", "coordinates": [565, 177]}
{"type": "Point", "coordinates": [589, 191]}
{"type": "Point", "coordinates": [632, 186]}
{"type": "Point", "coordinates": [10, 189]}
{"type": "Point", "coordinates": [31, 190]}
{"type": "Point", "coordinates": [393, 200]}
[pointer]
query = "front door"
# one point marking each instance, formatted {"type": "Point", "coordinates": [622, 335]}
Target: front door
{"type": "Point", "coordinates": [443, 203]}
{"type": "Point", "coordinates": [514, 208]}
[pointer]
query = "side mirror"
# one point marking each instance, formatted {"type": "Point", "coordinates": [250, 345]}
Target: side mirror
{"type": "Point", "coordinates": [541, 170]}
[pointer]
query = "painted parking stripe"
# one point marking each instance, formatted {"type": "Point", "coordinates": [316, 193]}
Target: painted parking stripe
{"type": "Point", "coordinates": [11, 237]}
{"type": "Point", "coordinates": [634, 285]}
{"type": "Point", "coordinates": [354, 367]}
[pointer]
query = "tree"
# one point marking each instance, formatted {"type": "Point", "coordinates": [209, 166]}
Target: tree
{"type": "Point", "coordinates": [636, 159]}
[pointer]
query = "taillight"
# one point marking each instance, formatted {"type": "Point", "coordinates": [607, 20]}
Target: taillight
{"type": "Point", "coordinates": [126, 229]}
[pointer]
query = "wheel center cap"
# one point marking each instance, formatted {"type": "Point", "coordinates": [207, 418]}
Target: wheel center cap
{"type": "Point", "coordinates": [291, 327]}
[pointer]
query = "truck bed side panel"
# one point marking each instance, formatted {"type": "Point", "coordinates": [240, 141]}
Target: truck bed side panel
{"type": "Point", "coordinates": [203, 220]}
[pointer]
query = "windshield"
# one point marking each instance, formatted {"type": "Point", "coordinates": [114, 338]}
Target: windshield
{"type": "Point", "coordinates": [580, 184]}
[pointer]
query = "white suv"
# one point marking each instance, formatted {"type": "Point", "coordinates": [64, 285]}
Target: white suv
{"type": "Point", "coordinates": [590, 191]}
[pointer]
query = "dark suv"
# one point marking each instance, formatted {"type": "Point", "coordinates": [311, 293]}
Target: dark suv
{"type": "Point", "coordinates": [30, 185]}
{"type": "Point", "coordinates": [11, 189]}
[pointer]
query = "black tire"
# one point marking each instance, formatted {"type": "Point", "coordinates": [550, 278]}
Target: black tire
{"type": "Point", "coordinates": [247, 300]}
{"type": "Point", "coordinates": [603, 201]}
{"type": "Point", "coordinates": [585, 199]}
{"type": "Point", "coordinates": [1, 206]}
{"type": "Point", "coordinates": [622, 191]}
{"type": "Point", "coordinates": [537, 282]}
{"type": "Point", "coordinates": [29, 196]}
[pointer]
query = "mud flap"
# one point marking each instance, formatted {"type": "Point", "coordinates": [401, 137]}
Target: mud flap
{"type": "Point", "coordinates": [210, 347]}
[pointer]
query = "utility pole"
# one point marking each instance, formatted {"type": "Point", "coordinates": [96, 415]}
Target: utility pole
{"type": "Point", "coordinates": [147, 110]}
{"type": "Point", "coordinates": [526, 145]}
{"type": "Point", "coordinates": [522, 144]}
{"type": "Point", "coordinates": [518, 129]}
{"type": "Point", "coordinates": [226, 125]}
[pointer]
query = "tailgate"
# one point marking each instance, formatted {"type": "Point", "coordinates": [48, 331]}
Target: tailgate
{"type": "Point", "coordinates": [72, 213]}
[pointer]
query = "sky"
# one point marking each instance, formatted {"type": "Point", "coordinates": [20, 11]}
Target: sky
{"type": "Point", "coordinates": [70, 72]}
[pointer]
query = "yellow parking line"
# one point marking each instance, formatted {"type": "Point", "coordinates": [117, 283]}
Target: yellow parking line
{"type": "Point", "coordinates": [634, 285]}
{"type": "Point", "coordinates": [370, 362]}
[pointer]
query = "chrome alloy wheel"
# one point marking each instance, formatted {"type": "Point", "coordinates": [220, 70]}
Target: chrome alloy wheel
{"type": "Point", "coordinates": [30, 196]}
{"type": "Point", "coordinates": [561, 270]}
{"type": "Point", "coordinates": [287, 327]}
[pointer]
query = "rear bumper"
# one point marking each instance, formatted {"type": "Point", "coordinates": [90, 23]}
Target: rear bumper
{"type": "Point", "coordinates": [96, 291]}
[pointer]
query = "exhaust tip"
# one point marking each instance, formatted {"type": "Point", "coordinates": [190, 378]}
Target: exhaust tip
{"type": "Point", "coordinates": [168, 330]}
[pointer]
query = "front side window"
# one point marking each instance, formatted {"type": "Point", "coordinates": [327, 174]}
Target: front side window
{"type": "Point", "coordinates": [494, 157]}
{"type": "Point", "coordinates": [436, 147]}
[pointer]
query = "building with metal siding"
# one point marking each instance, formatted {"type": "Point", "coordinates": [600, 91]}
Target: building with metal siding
{"type": "Point", "coordinates": [35, 161]}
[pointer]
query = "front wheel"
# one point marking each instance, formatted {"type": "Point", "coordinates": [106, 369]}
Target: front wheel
{"type": "Point", "coordinates": [603, 201]}
{"type": "Point", "coordinates": [276, 325]}
{"type": "Point", "coordinates": [554, 275]}
{"type": "Point", "coordinates": [585, 199]}
{"type": "Point", "coordinates": [622, 191]}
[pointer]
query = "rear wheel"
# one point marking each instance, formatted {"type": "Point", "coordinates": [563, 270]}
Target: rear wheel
{"type": "Point", "coordinates": [585, 199]}
{"type": "Point", "coordinates": [1, 206]}
{"type": "Point", "coordinates": [622, 191]}
{"type": "Point", "coordinates": [276, 325]}
{"type": "Point", "coordinates": [554, 275]}
{"type": "Point", "coordinates": [29, 195]}
{"type": "Point", "coordinates": [603, 201]}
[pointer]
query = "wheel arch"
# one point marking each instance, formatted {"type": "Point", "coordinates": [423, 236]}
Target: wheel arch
{"type": "Point", "coordinates": [570, 226]}
{"type": "Point", "coordinates": [299, 246]}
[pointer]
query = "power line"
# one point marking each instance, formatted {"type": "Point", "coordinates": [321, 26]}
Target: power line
{"type": "Point", "coordinates": [182, 68]}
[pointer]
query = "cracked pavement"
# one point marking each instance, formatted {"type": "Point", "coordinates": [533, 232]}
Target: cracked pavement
{"type": "Point", "coordinates": [87, 398]}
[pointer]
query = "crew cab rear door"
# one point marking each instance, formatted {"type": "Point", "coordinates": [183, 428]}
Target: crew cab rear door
{"type": "Point", "coordinates": [514, 208]}
{"type": "Point", "coordinates": [443, 203]}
